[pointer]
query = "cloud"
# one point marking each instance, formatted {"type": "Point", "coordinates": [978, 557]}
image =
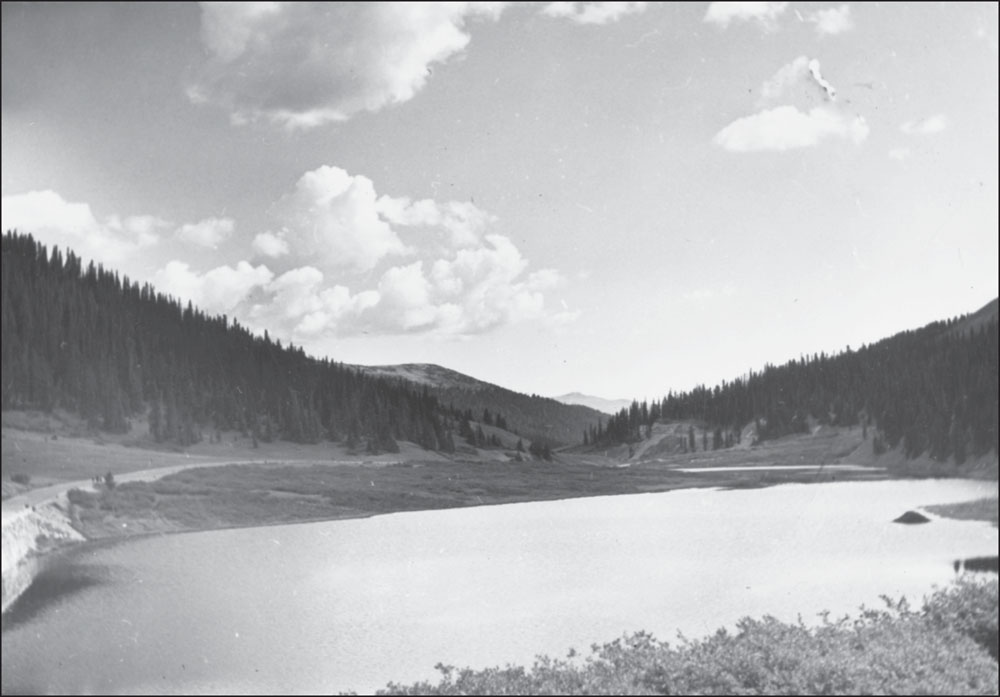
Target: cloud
{"type": "Point", "coordinates": [786, 128]}
{"type": "Point", "coordinates": [593, 12]}
{"type": "Point", "coordinates": [220, 290]}
{"type": "Point", "coordinates": [469, 292]}
{"type": "Point", "coordinates": [209, 232]}
{"type": "Point", "coordinates": [798, 71]}
{"type": "Point", "coordinates": [764, 13]}
{"type": "Point", "coordinates": [302, 65]}
{"type": "Point", "coordinates": [899, 153]}
{"type": "Point", "coordinates": [55, 221]}
{"type": "Point", "coordinates": [464, 221]}
{"type": "Point", "coordinates": [270, 245]}
{"type": "Point", "coordinates": [460, 278]}
{"type": "Point", "coordinates": [930, 125]}
{"type": "Point", "coordinates": [486, 289]}
{"type": "Point", "coordinates": [332, 218]}
{"type": "Point", "coordinates": [297, 305]}
{"type": "Point", "coordinates": [832, 21]}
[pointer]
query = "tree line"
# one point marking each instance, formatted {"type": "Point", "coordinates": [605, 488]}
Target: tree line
{"type": "Point", "coordinates": [931, 390]}
{"type": "Point", "coordinates": [86, 340]}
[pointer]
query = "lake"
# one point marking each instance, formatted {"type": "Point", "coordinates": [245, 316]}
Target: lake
{"type": "Point", "coordinates": [350, 605]}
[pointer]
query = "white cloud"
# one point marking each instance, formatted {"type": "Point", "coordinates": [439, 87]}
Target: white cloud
{"type": "Point", "coordinates": [899, 153]}
{"type": "Point", "coordinates": [470, 292]}
{"type": "Point", "coordinates": [785, 128]}
{"type": "Point", "coordinates": [220, 290]}
{"type": "Point", "coordinates": [209, 232]}
{"type": "Point", "coordinates": [269, 244]}
{"type": "Point", "coordinates": [833, 20]}
{"type": "Point", "coordinates": [593, 12]}
{"type": "Point", "coordinates": [53, 220]}
{"type": "Point", "coordinates": [302, 65]}
{"type": "Point", "coordinates": [487, 288]}
{"type": "Point", "coordinates": [332, 218]}
{"type": "Point", "coordinates": [930, 125]}
{"type": "Point", "coordinates": [464, 221]}
{"type": "Point", "coordinates": [764, 13]}
{"type": "Point", "coordinates": [799, 71]}
{"type": "Point", "coordinates": [298, 306]}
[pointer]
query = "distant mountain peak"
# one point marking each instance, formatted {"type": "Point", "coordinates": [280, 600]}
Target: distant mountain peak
{"type": "Point", "coordinates": [607, 406]}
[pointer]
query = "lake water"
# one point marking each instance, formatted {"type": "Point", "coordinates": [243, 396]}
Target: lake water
{"type": "Point", "coordinates": [350, 605]}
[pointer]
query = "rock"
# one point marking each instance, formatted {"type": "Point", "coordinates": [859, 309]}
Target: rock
{"type": "Point", "coordinates": [912, 518]}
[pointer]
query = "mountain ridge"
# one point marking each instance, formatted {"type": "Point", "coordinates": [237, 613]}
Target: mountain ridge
{"type": "Point", "coordinates": [544, 419]}
{"type": "Point", "coordinates": [606, 406]}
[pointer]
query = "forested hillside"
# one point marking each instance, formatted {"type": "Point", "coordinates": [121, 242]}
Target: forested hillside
{"type": "Point", "coordinates": [540, 419]}
{"type": "Point", "coordinates": [931, 390]}
{"type": "Point", "coordinates": [85, 340]}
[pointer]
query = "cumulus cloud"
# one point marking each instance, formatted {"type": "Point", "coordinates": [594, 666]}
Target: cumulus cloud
{"type": "Point", "coordinates": [593, 12]}
{"type": "Point", "coordinates": [799, 71]}
{"type": "Point", "coordinates": [210, 232]}
{"type": "Point", "coordinates": [786, 128]}
{"type": "Point", "coordinates": [469, 292]}
{"type": "Point", "coordinates": [220, 290]}
{"type": "Point", "coordinates": [930, 125]}
{"type": "Point", "coordinates": [269, 245]}
{"type": "Point", "coordinates": [55, 221]}
{"type": "Point", "coordinates": [333, 218]}
{"type": "Point", "coordinates": [464, 221]}
{"type": "Point", "coordinates": [301, 65]}
{"type": "Point", "coordinates": [833, 20]}
{"type": "Point", "coordinates": [764, 13]}
{"type": "Point", "coordinates": [296, 304]}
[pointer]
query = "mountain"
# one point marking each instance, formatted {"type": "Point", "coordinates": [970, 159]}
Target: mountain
{"type": "Point", "coordinates": [536, 418]}
{"type": "Point", "coordinates": [606, 406]}
{"type": "Point", "coordinates": [929, 391]}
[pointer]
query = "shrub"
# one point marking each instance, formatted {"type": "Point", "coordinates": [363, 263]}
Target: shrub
{"type": "Point", "coordinates": [969, 607]}
{"type": "Point", "coordinates": [892, 651]}
{"type": "Point", "coordinates": [20, 478]}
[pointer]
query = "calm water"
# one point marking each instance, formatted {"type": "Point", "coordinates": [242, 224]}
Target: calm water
{"type": "Point", "coordinates": [352, 604]}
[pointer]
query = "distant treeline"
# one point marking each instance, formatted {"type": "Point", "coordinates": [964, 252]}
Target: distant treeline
{"type": "Point", "coordinates": [108, 349]}
{"type": "Point", "coordinates": [932, 390]}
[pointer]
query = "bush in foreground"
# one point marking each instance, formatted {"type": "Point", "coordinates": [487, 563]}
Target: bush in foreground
{"type": "Point", "coordinates": [942, 649]}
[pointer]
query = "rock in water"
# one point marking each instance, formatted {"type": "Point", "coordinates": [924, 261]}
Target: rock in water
{"type": "Point", "coordinates": [912, 518]}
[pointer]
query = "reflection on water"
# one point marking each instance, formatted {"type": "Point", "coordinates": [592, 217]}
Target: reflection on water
{"type": "Point", "coordinates": [353, 604]}
{"type": "Point", "coordinates": [52, 585]}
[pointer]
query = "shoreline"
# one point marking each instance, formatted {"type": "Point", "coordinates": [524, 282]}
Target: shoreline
{"type": "Point", "coordinates": [259, 490]}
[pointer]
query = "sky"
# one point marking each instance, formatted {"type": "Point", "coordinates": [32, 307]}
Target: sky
{"type": "Point", "coordinates": [620, 199]}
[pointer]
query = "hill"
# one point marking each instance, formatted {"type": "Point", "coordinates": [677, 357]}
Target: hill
{"type": "Point", "coordinates": [605, 406]}
{"type": "Point", "coordinates": [930, 391]}
{"type": "Point", "coordinates": [88, 342]}
{"type": "Point", "coordinates": [536, 418]}
{"type": "Point", "coordinates": [979, 319]}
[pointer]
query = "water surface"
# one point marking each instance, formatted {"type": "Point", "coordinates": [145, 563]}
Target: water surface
{"type": "Point", "coordinates": [349, 605]}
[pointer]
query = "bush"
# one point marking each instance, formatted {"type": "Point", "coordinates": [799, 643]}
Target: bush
{"type": "Point", "coordinates": [970, 607]}
{"type": "Point", "coordinates": [20, 478]}
{"type": "Point", "coordinates": [893, 651]}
